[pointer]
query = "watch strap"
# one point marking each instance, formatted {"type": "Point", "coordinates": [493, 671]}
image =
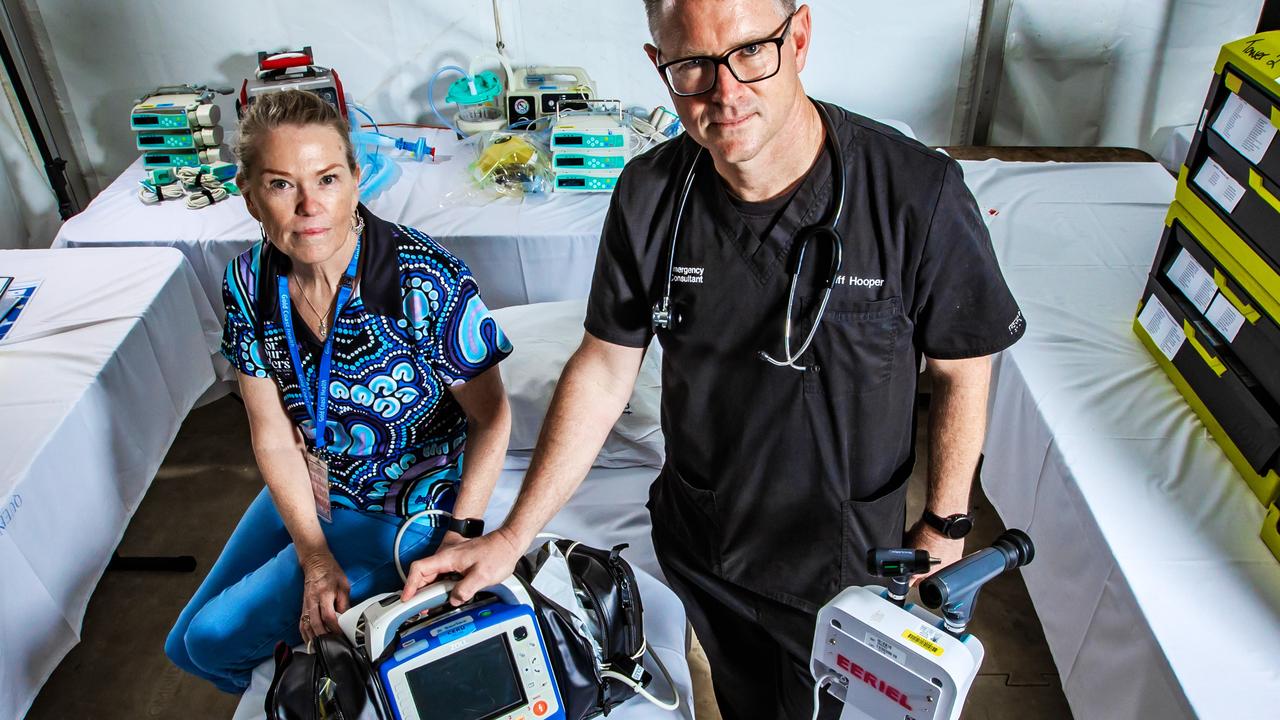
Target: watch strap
{"type": "Point", "coordinates": [467, 527]}
{"type": "Point", "coordinates": [945, 525]}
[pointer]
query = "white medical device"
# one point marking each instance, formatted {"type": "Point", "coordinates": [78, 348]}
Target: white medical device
{"type": "Point", "coordinates": [177, 126]}
{"type": "Point", "coordinates": [883, 658]}
{"type": "Point", "coordinates": [484, 660]}
{"type": "Point", "coordinates": [590, 147]}
{"type": "Point", "coordinates": [538, 91]}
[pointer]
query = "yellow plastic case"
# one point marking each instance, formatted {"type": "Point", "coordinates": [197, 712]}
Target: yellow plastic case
{"type": "Point", "coordinates": [1237, 413]}
{"type": "Point", "coordinates": [1248, 69]}
{"type": "Point", "coordinates": [1256, 340]}
{"type": "Point", "coordinates": [1241, 254]}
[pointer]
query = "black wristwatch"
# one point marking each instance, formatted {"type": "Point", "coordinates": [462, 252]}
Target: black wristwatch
{"type": "Point", "coordinates": [953, 526]}
{"type": "Point", "coordinates": [467, 527]}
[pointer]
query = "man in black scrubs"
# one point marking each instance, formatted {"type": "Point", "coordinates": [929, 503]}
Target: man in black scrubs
{"type": "Point", "coordinates": [779, 475]}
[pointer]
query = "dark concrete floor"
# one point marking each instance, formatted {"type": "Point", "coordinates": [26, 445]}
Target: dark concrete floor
{"type": "Point", "coordinates": [208, 478]}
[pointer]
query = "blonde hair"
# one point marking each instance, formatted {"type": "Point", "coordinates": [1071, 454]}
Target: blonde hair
{"type": "Point", "coordinates": [289, 107]}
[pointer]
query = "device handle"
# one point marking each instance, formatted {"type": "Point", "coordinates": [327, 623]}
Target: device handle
{"type": "Point", "coordinates": [577, 73]}
{"type": "Point", "coordinates": [387, 612]}
{"type": "Point", "coordinates": [285, 60]}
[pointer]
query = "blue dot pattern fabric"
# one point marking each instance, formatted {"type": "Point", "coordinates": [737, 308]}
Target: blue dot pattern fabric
{"type": "Point", "coordinates": [397, 434]}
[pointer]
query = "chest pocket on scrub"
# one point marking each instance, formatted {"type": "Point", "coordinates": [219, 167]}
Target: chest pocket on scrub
{"type": "Point", "coordinates": [856, 346]}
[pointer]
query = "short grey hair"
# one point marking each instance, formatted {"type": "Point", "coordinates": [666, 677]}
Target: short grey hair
{"type": "Point", "coordinates": [654, 10]}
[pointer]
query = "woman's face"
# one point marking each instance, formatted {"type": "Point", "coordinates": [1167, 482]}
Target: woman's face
{"type": "Point", "coordinates": [304, 194]}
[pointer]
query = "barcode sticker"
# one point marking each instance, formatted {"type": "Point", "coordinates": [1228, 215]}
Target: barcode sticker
{"type": "Point", "coordinates": [1224, 316]}
{"type": "Point", "coordinates": [1161, 327]}
{"type": "Point", "coordinates": [1192, 280]}
{"type": "Point", "coordinates": [1219, 185]}
{"type": "Point", "coordinates": [1244, 128]}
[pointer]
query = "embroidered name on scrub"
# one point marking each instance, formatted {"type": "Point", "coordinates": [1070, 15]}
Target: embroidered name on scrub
{"type": "Point", "coordinates": [683, 274]}
{"type": "Point", "coordinates": [855, 281]}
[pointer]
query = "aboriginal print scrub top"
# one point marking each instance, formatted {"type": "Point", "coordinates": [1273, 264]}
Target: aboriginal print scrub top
{"type": "Point", "coordinates": [414, 326]}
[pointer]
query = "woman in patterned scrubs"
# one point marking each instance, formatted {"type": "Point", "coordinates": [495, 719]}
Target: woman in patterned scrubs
{"type": "Point", "coordinates": [415, 413]}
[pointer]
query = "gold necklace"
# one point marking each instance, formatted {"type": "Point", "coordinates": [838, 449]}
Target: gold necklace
{"type": "Point", "coordinates": [323, 330]}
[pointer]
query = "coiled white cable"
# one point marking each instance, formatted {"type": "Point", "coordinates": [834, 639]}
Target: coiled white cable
{"type": "Point", "coordinates": [147, 194]}
{"type": "Point", "coordinates": [190, 176]}
{"type": "Point", "coordinates": [204, 196]}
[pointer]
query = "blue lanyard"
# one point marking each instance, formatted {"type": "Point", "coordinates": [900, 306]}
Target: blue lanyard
{"type": "Point", "coordinates": [319, 410]}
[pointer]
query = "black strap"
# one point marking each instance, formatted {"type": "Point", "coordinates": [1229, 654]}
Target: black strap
{"type": "Point", "coordinates": [159, 193]}
{"type": "Point", "coordinates": [205, 191]}
{"type": "Point", "coordinates": [283, 657]}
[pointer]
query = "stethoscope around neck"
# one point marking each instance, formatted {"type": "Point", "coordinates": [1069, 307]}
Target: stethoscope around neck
{"type": "Point", "coordinates": [664, 317]}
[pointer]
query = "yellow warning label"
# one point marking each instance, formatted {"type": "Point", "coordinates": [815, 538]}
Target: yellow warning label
{"type": "Point", "coordinates": [923, 642]}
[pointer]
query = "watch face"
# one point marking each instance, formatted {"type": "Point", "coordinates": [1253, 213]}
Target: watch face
{"type": "Point", "coordinates": [959, 526]}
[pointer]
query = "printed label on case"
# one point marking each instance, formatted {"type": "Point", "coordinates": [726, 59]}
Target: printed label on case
{"type": "Point", "coordinates": [1245, 129]}
{"type": "Point", "coordinates": [1224, 316]}
{"type": "Point", "coordinates": [1219, 185]}
{"type": "Point", "coordinates": [1192, 280]}
{"type": "Point", "coordinates": [1161, 327]}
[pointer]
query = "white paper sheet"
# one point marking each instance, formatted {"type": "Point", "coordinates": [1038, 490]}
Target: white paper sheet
{"type": "Point", "coordinates": [1219, 185]}
{"type": "Point", "coordinates": [1224, 316]}
{"type": "Point", "coordinates": [1161, 326]}
{"type": "Point", "coordinates": [1244, 128]}
{"type": "Point", "coordinates": [1192, 280]}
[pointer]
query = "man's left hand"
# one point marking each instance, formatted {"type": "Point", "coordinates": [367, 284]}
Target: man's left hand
{"type": "Point", "coordinates": [923, 537]}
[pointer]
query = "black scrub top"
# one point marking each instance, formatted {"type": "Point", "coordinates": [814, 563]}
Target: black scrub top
{"type": "Point", "coordinates": [779, 480]}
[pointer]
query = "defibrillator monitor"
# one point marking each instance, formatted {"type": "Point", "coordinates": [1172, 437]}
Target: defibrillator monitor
{"type": "Point", "coordinates": [479, 662]}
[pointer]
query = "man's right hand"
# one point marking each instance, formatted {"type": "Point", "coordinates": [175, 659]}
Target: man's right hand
{"type": "Point", "coordinates": [484, 561]}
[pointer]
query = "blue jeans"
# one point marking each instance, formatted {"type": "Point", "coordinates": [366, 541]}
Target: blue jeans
{"type": "Point", "coordinates": [252, 598]}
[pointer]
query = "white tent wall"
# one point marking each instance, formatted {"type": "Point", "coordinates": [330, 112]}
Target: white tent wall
{"type": "Point", "coordinates": [1110, 72]}
{"type": "Point", "coordinates": [1074, 72]}
{"type": "Point", "coordinates": [28, 208]}
{"type": "Point", "coordinates": [909, 61]}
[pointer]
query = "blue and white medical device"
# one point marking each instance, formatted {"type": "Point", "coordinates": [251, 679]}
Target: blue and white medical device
{"type": "Point", "coordinates": [485, 660]}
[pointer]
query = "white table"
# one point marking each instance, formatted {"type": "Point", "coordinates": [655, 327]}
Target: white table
{"type": "Point", "coordinates": [101, 369]}
{"type": "Point", "coordinates": [538, 250]}
{"type": "Point", "coordinates": [1157, 598]}
{"type": "Point", "coordinates": [520, 252]}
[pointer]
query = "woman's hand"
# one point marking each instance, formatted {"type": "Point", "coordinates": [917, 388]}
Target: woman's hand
{"type": "Point", "coordinates": [326, 594]}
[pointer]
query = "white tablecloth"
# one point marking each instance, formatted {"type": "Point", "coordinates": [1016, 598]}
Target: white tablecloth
{"type": "Point", "coordinates": [520, 252]}
{"type": "Point", "coordinates": [98, 373]}
{"type": "Point", "coordinates": [1157, 598]}
{"type": "Point", "coordinates": [540, 250]}
{"type": "Point", "coordinates": [607, 509]}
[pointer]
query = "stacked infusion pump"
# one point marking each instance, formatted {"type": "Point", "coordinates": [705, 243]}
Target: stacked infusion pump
{"type": "Point", "coordinates": [589, 148]}
{"type": "Point", "coordinates": [177, 126]}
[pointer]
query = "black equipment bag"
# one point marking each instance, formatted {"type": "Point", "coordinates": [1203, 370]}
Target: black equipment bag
{"type": "Point", "coordinates": [607, 585]}
{"type": "Point", "coordinates": [332, 683]}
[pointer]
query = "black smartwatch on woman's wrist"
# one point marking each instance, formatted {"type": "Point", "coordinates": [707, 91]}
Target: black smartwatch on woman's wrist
{"type": "Point", "coordinates": [467, 527]}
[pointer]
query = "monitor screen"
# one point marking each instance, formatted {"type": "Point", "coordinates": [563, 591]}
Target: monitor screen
{"type": "Point", "coordinates": [477, 683]}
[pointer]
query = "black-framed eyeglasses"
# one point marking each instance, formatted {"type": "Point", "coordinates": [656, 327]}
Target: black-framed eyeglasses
{"type": "Point", "coordinates": [749, 62]}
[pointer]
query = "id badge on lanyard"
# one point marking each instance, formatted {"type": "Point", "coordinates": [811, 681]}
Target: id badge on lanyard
{"type": "Point", "coordinates": [318, 409]}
